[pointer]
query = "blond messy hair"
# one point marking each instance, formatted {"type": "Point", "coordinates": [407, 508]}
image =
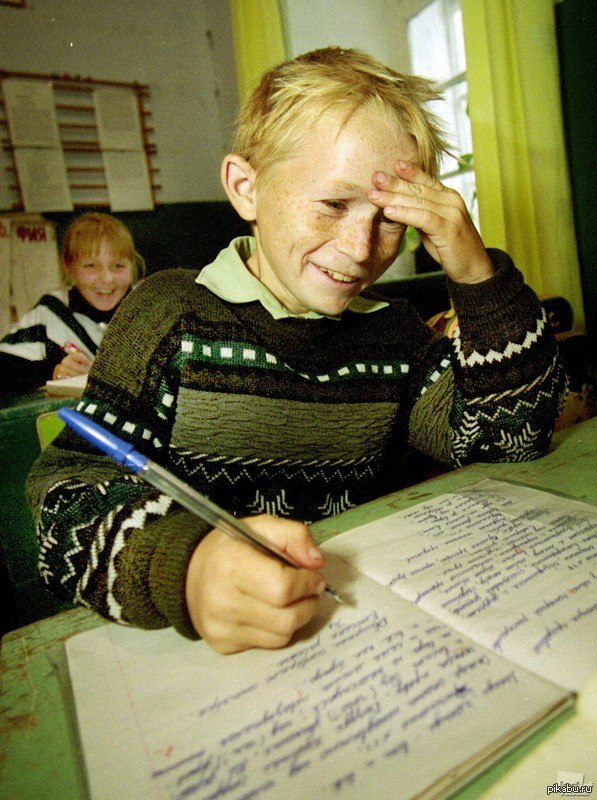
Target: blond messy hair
{"type": "Point", "coordinates": [291, 97]}
{"type": "Point", "coordinates": [84, 236]}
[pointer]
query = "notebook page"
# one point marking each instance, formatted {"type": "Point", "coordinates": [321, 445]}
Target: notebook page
{"type": "Point", "coordinates": [510, 566]}
{"type": "Point", "coordinates": [352, 709]}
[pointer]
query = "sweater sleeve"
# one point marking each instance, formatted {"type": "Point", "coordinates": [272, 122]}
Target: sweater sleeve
{"type": "Point", "coordinates": [107, 539]}
{"type": "Point", "coordinates": [496, 390]}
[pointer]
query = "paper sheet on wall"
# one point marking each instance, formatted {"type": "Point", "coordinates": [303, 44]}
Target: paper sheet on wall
{"type": "Point", "coordinates": [35, 262]}
{"type": "Point", "coordinates": [117, 115]}
{"type": "Point", "coordinates": [5, 300]}
{"type": "Point", "coordinates": [121, 142]}
{"type": "Point", "coordinates": [128, 181]}
{"type": "Point", "coordinates": [31, 113]}
{"type": "Point", "coordinates": [43, 179]}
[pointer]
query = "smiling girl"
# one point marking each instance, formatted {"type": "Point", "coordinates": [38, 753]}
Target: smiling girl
{"type": "Point", "coordinates": [59, 337]}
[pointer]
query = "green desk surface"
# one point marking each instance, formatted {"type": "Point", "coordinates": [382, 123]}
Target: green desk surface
{"type": "Point", "coordinates": [40, 755]}
{"type": "Point", "coordinates": [29, 404]}
{"type": "Point", "coordinates": [23, 597]}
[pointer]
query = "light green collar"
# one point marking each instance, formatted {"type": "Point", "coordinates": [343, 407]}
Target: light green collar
{"type": "Point", "coordinates": [229, 279]}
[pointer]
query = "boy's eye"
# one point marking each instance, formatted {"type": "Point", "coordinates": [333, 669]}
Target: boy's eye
{"type": "Point", "coordinates": [335, 205]}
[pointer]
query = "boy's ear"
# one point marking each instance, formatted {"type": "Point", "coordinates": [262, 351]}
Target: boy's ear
{"type": "Point", "coordinates": [238, 180]}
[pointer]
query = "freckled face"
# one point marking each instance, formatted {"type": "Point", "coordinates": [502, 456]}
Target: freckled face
{"type": "Point", "coordinates": [104, 278]}
{"type": "Point", "coordinates": [320, 241]}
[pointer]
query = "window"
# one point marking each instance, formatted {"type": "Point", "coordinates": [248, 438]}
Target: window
{"type": "Point", "coordinates": [436, 46]}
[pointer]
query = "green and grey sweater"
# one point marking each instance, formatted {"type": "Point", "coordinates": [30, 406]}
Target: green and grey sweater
{"type": "Point", "coordinates": [301, 418]}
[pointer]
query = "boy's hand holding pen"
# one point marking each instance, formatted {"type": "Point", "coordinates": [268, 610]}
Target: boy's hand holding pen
{"type": "Point", "coordinates": [74, 363]}
{"type": "Point", "coordinates": [237, 598]}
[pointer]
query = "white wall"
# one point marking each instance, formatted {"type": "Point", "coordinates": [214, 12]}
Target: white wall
{"type": "Point", "coordinates": [163, 43]}
{"type": "Point", "coordinates": [376, 26]}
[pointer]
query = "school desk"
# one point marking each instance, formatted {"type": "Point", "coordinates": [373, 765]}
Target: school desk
{"type": "Point", "coordinates": [23, 596]}
{"type": "Point", "coordinates": [40, 754]}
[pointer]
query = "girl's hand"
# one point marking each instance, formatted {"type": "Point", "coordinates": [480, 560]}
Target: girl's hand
{"type": "Point", "coordinates": [440, 216]}
{"type": "Point", "coordinates": [75, 363]}
{"type": "Point", "coordinates": [239, 598]}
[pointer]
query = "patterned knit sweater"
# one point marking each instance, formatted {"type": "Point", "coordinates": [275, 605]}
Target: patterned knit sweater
{"type": "Point", "coordinates": [301, 418]}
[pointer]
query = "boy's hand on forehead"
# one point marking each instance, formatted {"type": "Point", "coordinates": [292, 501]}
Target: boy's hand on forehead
{"type": "Point", "coordinates": [439, 214]}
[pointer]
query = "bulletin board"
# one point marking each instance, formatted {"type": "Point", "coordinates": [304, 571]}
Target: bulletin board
{"type": "Point", "coordinates": [71, 143]}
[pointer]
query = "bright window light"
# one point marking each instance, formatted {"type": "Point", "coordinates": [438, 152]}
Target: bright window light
{"type": "Point", "coordinates": [436, 47]}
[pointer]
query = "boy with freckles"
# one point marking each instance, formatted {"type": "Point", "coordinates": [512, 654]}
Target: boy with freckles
{"type": "Point", "coordinates": [273, 384]}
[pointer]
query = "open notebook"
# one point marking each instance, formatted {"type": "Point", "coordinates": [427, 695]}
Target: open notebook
{"type": "Point", "coordinates": [457, 646]}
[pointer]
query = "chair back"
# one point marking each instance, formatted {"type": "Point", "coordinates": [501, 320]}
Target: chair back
{"type": "Point", "coordinates": [48, 426]}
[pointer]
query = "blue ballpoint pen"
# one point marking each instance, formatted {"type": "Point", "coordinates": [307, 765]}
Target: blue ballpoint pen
{"type": "Point", "coordinates": [124, 453]}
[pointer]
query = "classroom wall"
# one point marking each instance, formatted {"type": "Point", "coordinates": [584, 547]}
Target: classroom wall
{"type": "Point", "coordinates": [181, 48]}
{"type": "Point", "coordinates": [376, 26]}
